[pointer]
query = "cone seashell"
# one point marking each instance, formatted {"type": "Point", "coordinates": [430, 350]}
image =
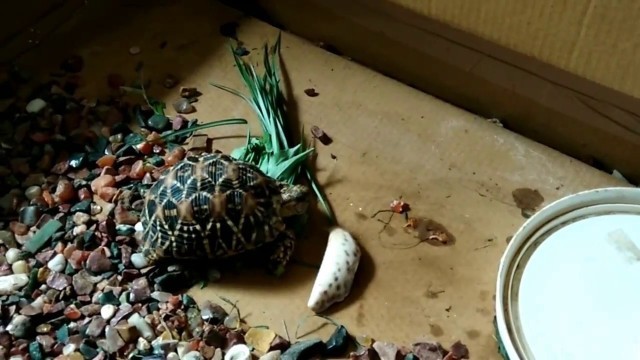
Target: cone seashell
{"type": "Point", "coordinates": [337, 271]}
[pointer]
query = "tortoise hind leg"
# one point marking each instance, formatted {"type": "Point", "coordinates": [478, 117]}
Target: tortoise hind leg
{"type": "Point", "coordinates": [283, 249]}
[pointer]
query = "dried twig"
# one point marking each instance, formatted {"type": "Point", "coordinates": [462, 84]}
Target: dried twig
{"type": "Point", "coordinates": [483, 246]}
{"type": "Point", "coordinates": [286, 330]}
{"type": "Point", "coordinates": [233, 306]}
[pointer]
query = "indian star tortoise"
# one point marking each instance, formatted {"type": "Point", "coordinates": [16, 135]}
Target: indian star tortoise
{"type": "Point", "coordinates": [212, 207]}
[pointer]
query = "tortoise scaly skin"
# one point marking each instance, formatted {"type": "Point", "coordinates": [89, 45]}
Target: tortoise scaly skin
{"type": "Point", "coordinates": [213, 206]}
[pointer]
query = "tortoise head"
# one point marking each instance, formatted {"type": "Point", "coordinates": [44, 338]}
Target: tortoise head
{"type": "Point", "coordinates": [295, 199]}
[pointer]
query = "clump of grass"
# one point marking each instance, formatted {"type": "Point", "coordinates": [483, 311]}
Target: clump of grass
{"type": "Point", "coordinates": [272, 152]}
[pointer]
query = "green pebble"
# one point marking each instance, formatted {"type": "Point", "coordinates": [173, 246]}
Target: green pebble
{"type": "Point", "coordinates": [87, 351]}
{"type": "Point", "coordinates": [305, 349]}
{"type": "Point", "coordinates": [100, 145]}
{"type": "Point", "coordinates": [133, 139]}
{"type": "Point", "coordinates": [79, 243]}
{"type": "Point", "coordinates": [108, 298]}
{"type": "Point", "coordinates": [62, 334]}
{"type": "Point", "coordinates": [83, 329]}
{"type": "Point", "coordinates": [83, 206]}
{"type": "Point", "coordinates": [156, 161]}
{"type": "Point", "coordinates": [115, 250]}
{"type": "Point", "coordinates": [13, 299]}
{"type": "Point", "coordinates": [158, 122]}
{"type": "Point", "coordinates": [29, 215]}
{"type": "Point", "coordinates": [188, 300]}
{"type": "Point", "coordinates": [77, 160]}
{"type": "Point", "coordinates": [153, 306]}
{"type": "Point", "coordinates": [35, 351]}
{"type": "Point", "coordinates": [125, 230]}
{"type": "Point", "coordinates": [124, 297]}
{"type": "Point", "coordinates": [88, 236]}
{"type": "Point", "coordinates": [33, 281]}
{"type": "Point", "coordinates": [69, 270]}
{"type": "Point", "coordinates": [338, 342]}
{"type": "Point", "coordinates": [42, 236]}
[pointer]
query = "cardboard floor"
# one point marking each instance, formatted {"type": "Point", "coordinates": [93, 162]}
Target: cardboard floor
{"type": "Point", "coordinates": [389, 141]}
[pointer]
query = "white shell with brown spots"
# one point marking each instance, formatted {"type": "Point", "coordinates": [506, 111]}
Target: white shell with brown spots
{"type": "Point", "coordinates": [337, 271]}
{"type": "Point", "coordinates": [210, 206]}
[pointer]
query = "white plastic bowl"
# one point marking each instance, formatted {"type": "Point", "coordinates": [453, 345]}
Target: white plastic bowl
{"type": "Point", "coordinates": [568, 283]}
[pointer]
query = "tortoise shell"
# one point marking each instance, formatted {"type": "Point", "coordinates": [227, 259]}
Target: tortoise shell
{"type": "Point", "coordinates": [210, 206]}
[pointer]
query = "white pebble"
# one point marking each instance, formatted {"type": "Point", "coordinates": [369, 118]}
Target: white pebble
{"type": "Point", "coordinates": [18, 325]}
{"type": "Point", "coordinates": [12, 255]}
{"type": "Point", "coordinates": [143, 327]}
{"type": "Point", "coordinates": [134, 50]}
{"type": "Point", "coordinates": [69, 349]}
{"type": "Point", "coordinates": [73, 326]}
{"type": "Point", "coordinates": [142, 344]}
{"type": "Point", "coordinates": [182, 349]}
{"type": "Point", "coordinates": [20, 267]}
{"type": "Point", "coordinates": [161, 296]}
{"type": "Point", "coordinates": [173, 356]}
{"type": "Point", "coordinates": [33, 192]}
{"type": "Point", "coordinates": [107, 312]}
{"type": "Point", "coordinates": [193, 355]}
{"type": "Point", "coordinates": [79, 230]}
{"type": "Point", "coordinates": [138, 260]}
{"type": "Point", "coordinates": [58, 263]}
{"type": "Point", "coordinates": [36, 105]}
{"type": "Point", "coordinates": [38, 303]}
{"type": "Point", "coordinates": [139, 227]}
{"type": "Point", "coordinates": [80, 218]}
{"type": "Point", "coordinates": [232, 321]}
{"type": "Point", "coordinates": [12, 283]}
{"type": "Point", "coordinates": [238, 352]}
{"type": "Point", "coordinates": [217, 355]}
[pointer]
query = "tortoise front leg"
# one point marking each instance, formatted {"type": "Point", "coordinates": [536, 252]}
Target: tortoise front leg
{"type": "Point", "coordinates": [283, 249]}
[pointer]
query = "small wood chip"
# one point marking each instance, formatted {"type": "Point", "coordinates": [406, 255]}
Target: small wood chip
{"type": "Point", "coordinates": [311, 92]}
{"type": "Point", "coordinates": [322, 136]}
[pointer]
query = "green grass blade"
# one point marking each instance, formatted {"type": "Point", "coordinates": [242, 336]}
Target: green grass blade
{"type": "Point", "coordinates": [321, 196]}
{"type": "Point", "coordinates": [236, 121]}
{"type": "Point", "coordinates": [290, 165]}
{"type": "Point", "coordinates": [230, 90]}
{"type": "Point", "coordinates": [272, 153]}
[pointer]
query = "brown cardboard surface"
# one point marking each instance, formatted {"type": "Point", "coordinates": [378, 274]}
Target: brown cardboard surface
{"type": "Point", "coordinates": [593, 39]}
{"type": "Point", "coordinates": [599, 40]}
{"type": "Point", "coordinates": [574, 115]}
{"type": "Point", "coordinates": [389, 140]}
{"type": "Point", "coordinates": [29, 22]}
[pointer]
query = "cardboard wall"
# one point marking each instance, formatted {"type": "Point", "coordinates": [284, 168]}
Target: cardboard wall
{"type": "Point", "coordinates": [593, 121]}
{"type": "Point", "coordinates": [598, 40]}
{"type": "Point", "coordinates": [29, 22]}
